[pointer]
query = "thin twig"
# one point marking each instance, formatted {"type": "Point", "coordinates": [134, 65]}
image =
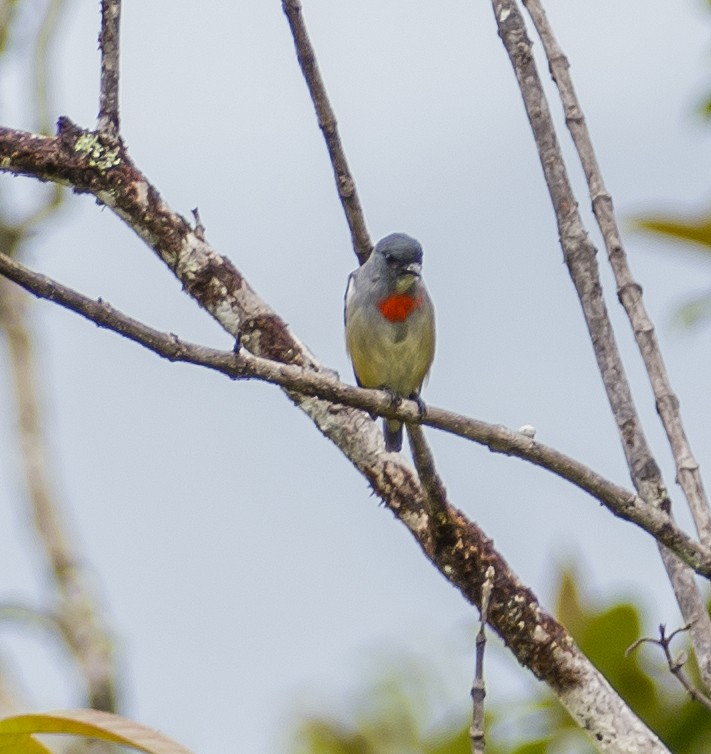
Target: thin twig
{"type": "Point", "coordinates": [476, 731]}
{"type": "Point", "coordinates": [108, 123]}
{"type": "Point", "coordinates": [579, 254]}
{"type": "Point", "coordinates": [434, 491]}
{"type": "Point", "coordinates": [676, 664]}
{"type": "Point", "coordinates": [244, 365]}
{"type": "Point", "coordinates": [628, 290]}
{"type": "Point", "coordinates": [442, 528]}
{"type": "Point", "coordinates": [86, 636]}
{"type": "Point", "coordinates": [434, 495]}
{"type": "Point", "coordinates": [329, 127]}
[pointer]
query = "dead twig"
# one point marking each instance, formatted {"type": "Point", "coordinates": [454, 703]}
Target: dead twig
{"type": "Point", "coordinates": [476, 731]}
{"type": "Point", "coordinates": [676, 664]}
{"type": "Point", "coordinates": [345, 183]}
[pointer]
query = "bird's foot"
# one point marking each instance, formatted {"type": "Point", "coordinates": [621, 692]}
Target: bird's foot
{"type": "Point", "coordinates": [421, 407]}
{"type": "Point", "coordinates": [395, 398]}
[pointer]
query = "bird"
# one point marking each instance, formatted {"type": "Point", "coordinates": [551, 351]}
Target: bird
{"type": "Point", "coordinates": [390, 325]}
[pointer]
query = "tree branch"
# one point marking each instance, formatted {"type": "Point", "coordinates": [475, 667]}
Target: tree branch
{"type": "Point", "coordinates": [329, 127]}
{"type": "Point", "coordinates": [108, 123]}
{"type": "Point", "coordinates": [629, 291]}
{"type": "Point", "coordinates": [586, 699]}
{"type": "Point", "coordinates": [676, 664]}
{"type": "Point", "coordinates": [478, 693]}
{"type": "Point", "coordinates": [579, 254]}
{"type": "Point", "coordinates": [84, 160]}
{"type": "Point", "coordinates": [244, 365]}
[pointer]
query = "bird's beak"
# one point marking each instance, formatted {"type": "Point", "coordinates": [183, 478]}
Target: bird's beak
{"type": "Point", "coordinates": [407, 275]}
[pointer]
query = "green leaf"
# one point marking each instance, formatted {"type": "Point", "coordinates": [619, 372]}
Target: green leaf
{"type": "Point", "coordinates": [16, 731]}
{"type": "Point", "coordinates": [533, 747]}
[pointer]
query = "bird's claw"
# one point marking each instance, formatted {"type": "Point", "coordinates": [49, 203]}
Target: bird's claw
{"type": "Point", "coordinates": [395, 399]}
{"type": "Point", "coordinates": [421, 407]}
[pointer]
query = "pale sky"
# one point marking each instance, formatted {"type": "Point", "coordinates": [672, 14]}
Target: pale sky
{"type": "Point", "coordinates": [246, 569]}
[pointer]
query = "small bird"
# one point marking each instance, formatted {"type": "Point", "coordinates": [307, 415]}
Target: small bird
{"type": "Point", "coordinates": [390, 324]}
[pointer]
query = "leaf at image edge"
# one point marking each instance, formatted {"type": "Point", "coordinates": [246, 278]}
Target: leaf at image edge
{"type": "Point", "coordinates": [694, 231]}
{"type": "Point", "coordinates": [91, 724]}
{"type": "Point", "coordinates": [22, 744]}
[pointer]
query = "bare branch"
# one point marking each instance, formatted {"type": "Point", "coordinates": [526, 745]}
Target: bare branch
{"type": "Point", "coordinates": [329, 127]}
{"type": "Point", "coordinates": [676, 664]}
{"type": "Point", "coordinates": [89, 164]}
{"type": "Point", "coordinates": [108, 123]}
{"type": "Point", "coordinates": [579, 254]}
{"type": "Point", "coordinates": [620, 501]}
{"type": "Point", "coordinates": [476, 732]}
{"type": "Point", "coordinates": [628, 290]}
{"type": "Point", "coordinates": [435, 494]}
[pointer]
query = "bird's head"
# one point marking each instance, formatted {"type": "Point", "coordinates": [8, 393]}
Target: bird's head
{"type": "Point", "coordinates": [401, 256]}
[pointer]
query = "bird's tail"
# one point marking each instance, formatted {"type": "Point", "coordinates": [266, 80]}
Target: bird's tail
{"type": "Point", "coordinates": [392, 431]}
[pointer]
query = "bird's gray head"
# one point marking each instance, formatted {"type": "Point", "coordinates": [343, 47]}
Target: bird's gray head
{"type": "Point", "coordinates": [401, 253]}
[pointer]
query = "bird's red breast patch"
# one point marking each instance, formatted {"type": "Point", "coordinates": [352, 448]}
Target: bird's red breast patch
{"type": "Point", "coordinates": [399, 306]}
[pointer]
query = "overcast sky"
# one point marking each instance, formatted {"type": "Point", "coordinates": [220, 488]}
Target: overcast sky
{"type": "Point", "coordinates": [246, 570]}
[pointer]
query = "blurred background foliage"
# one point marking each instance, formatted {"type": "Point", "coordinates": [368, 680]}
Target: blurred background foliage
{"type": "Point", "coordinates": [395, 713]}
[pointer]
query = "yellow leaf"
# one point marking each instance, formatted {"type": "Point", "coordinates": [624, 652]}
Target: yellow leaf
{"type": "Point", "coordinates": [88, 723]}
{"type": "Point", "coordinates": [695, 231]}
{"type": "Point", "coordinates": [22, 744]}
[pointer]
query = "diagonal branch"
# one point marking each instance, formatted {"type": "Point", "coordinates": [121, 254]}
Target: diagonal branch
{"type": "Point", "coordinates": [108, 123]}
{"type": "Point", "coordinates": [493, 578]}
{"type": "Point", "coordinates": [629, 291]}
{"type": "Point", "coordinates": [579, 254]}
{"type": "Point", "coordinates": [243, 365]}
{"type": "Point", "coordinates": [329, 127]}
{"type": "Point", "coordinates": [88, 163]}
